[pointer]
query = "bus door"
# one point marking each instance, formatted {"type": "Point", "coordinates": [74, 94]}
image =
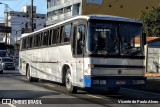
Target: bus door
{"type": "Point", "coordinates": [78, 51]}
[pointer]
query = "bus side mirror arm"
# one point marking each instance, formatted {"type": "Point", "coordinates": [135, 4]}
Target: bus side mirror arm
{"type": "Point", "coordinates": [144, 38]}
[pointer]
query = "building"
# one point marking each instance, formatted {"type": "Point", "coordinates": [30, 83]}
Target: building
{"type": "Point", "coordinates": [58, 10]}
{"type": "Point", "coordinates": [20, 23]}
{"type": "Point", "coordinates": [153, 56]}
{"type": "Point", "coordinates": [2, 34]}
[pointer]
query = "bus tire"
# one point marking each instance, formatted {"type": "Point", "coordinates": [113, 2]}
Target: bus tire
{"type": "Point", "coordinates": [35, 79]}
{"type": "Point", "coordinates": [68, 82]}
{"type": "Point", "coordinates": [30, 79]}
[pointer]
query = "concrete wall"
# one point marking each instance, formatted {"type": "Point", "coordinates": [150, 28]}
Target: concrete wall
{"type": "Point", "coordinates": [19, 22]}
{"type": "Point", "coordinates": [153, 59]}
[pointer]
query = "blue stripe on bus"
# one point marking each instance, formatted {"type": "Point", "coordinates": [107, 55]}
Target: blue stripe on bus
{"type": "Point", "coordinates": [87, 81]}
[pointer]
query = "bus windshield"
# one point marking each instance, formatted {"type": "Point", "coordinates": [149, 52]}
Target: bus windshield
{"type": "Point", "coordinates": [114, 38]}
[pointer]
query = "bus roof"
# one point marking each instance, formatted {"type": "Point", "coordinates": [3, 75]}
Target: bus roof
{"type": "Point", "coordinates": [87, 17]}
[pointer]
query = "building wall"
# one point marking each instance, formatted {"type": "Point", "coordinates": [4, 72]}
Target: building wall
{"type": "Point", "coordinates": [19, 21]}
{"type": "Point", "coordinates": [153, 57]}
{"type": "Point", "coordinates": [124, 8]}
{"type": "Point", "coordinates": [58, 10]}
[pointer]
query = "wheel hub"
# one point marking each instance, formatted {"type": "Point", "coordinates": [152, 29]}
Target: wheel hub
{"type": "Point", "coordinates": [68, 81]}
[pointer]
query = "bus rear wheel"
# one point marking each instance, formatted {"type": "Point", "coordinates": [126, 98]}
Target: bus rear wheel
{"type": "Point", "coordinates": [68, 82]}
{"type": "Point", "coordinates": [31, 79]}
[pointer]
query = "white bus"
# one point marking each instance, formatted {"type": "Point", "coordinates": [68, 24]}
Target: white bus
{"type": "Point", "coordinates": [85, 51]}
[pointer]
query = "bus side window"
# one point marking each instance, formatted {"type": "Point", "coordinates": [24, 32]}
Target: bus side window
{"type": "Point", "coordinates": [30, 42]}
{"type": "Point", "coordinates": [24, 43]}
{"type": "Point", "coordinates": [74, 39]}
{"type": "Point", "coordinates": [80, 39]}
{"type": "Point", "coordinates": [55, 33]}
{"type": "Point", "coordinates": [27, 42]}
{"type": "Point", "coordinates": [25, 46]}
{"type": "Point", "coordinates": [60, 33]}
{"type": "Point", "coordinates": [41, 37]}
{"type": "Point", "coordinates": [50, 37]}
{"type": "Point", "coordinates": [67, 33]}
{"type": "Point", "coordinates": [34, 41]}
{"type": "Point", "coordinates": [20, 44]}
{"type": "Point", "coordinates": [45, 38]}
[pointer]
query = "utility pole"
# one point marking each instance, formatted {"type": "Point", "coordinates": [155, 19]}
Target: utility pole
{"type": "Point", "coordinates": [6, 38]}
{"type": "Point", "coordinates": [32, 29]}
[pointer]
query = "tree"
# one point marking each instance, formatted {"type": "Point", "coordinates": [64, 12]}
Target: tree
{"type": "Point", "coordinates": [151, 21]}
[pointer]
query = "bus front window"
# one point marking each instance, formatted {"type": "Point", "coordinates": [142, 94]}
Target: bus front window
{"type": "Point", "coordinates": [114, 38]}
{"type": "Point", "coordinates": [129, 33]}
{"type": "Point", "coordinates": [103, 38]}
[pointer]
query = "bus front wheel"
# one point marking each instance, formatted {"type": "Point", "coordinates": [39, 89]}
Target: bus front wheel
{"type": "Point", "coordinates": [68, 81]}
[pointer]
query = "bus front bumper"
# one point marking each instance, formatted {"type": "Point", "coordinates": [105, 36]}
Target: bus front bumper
{"type": "Point", "coordinates": [114, 81]}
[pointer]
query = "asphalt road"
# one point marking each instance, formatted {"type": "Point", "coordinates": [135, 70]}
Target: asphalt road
{"type": "Point", "coordinates": [15, 86]}
{"type": "Point", "coordinates": [12, 88]}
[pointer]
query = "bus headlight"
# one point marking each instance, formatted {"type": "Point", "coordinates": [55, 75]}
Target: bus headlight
{"type": "Point", "coordinates": [88, 71]}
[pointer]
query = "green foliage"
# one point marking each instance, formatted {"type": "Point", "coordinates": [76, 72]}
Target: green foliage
{"type": "Point", "coordinates": [151, 21]}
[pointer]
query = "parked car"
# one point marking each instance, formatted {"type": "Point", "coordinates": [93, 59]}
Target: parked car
{"type": "Point", "coordinates": [7, 63]}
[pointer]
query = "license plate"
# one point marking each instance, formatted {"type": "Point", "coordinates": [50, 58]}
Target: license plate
{"type": "Point", "coordinates": [103, 82]}
{"type": "Point", "coordinates": [136, 82]}
{"type": "Point", "coordinates": [95, 81]}
{"type": "Point", "coordinates": [120, 82]}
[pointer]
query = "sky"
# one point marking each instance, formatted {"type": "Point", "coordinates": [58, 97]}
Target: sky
{"type": "Point", "coordinates": [16, 5]}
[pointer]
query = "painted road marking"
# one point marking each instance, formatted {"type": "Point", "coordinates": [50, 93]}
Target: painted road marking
{"type": "Point", "coordinates": [107, 99]}
{"type": "Point", "coordinates": [24, 79]}
{"type": "Point", "coordinates": [49, 85]}
{"type": "Point", "coordinates": [11, 105]}
{"type": "Point", "coordinates": [94, 96]}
